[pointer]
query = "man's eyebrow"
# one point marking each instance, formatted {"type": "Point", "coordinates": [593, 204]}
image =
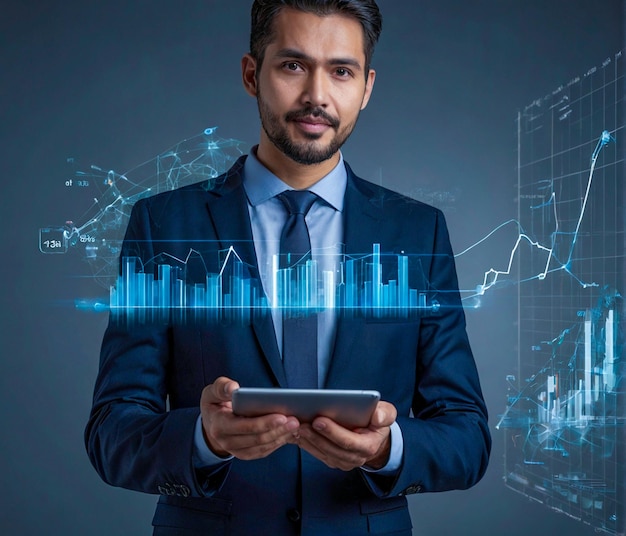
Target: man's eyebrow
{"type": "Point", "coordinates": [292, 53]}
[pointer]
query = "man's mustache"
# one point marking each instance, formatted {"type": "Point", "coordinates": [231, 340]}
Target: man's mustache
{"type": "Point", "coordinates": [318, 113]}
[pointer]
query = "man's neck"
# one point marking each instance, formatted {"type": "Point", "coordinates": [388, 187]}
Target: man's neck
{"type": "Point", "coordinates": [298, 176]}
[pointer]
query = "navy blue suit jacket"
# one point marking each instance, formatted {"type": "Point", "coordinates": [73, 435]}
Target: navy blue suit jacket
{"type": "Point", "coordinates": [146, 400]}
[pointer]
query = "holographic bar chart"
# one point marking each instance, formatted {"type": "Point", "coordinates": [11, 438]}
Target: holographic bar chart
{"type": "Point", "coordinates": [356, 287]}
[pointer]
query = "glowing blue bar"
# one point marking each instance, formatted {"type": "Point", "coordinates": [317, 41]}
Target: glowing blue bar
{"type": "Point", "coordinates": [199, 296]}
{"type": "Point", "coordinates": [156, 293]}
{"type": "Point", "coordinates": [113, 293]}
{"type": "Point", "coordinates": [235, 291]}
{"type": "Point", "coordinates": [377, 282]}
{"type": "Point", "coordinates": [142, 294]}
{"type": "Point", "coordinates": [164, 285]}
{"type": "Point", "coordinates": [393, 297]}
{"type": "Point", "coordinates": [178, 300]}
{"type": "Point", "coordinates": [412, 298]}
{"type": "Point", "coordinates": [245, 306]}
{"type": "Point", "coordinates": [213, 291]}
{"type": "Point", "coordinates": [384, 301]}
{"type": "Point", "coordinates": [178, 294]}
{"type": "Point", "coordinates": [312, 283]}
{"type": "Point", "coordinates": [328, 290]}
{"type": "Point", "coordinates": [285, 295]}
{"type": "Point", "coordinates": [128, 282]}
{"type": "Point", "coordinates": [275, 280]}
{"type": "Point", "coordinates": [214, 295]}
{"type": "Point", "coordinates": [149, 282]}
{"type": "Point", "coordinates": [403, 284]}
{"type": "Point", "coordinates": [366, 304]}
{"type": "Point", "coordinates": [299, 288]}
{"type": "Point", "coordinates": [350, 298]}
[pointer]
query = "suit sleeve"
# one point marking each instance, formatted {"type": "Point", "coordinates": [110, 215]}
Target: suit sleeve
{"type": "Point", "coordinates": [132, 439]}
{"type": "Point", "coordinates": [447, 440]}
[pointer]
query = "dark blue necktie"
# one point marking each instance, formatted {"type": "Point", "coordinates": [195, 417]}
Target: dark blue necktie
{"type": "Point", "coordinates": [299, 327]}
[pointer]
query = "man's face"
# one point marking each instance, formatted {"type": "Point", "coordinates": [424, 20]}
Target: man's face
{"type": "Point", "coordinates": [311, 85]}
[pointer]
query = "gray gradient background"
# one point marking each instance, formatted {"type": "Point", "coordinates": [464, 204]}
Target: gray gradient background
{"type": "Point", "coordinates": [115, 83]}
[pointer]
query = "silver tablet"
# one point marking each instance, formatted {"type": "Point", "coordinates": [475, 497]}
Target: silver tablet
{"type": "Point", "coordinates": [350, 408]}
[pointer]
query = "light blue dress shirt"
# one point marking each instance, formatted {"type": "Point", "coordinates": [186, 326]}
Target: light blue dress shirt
{"type": "Point", "coordinates": [325, 224]}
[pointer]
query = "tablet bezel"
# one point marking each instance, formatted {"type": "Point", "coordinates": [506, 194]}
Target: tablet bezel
{"type": "Point", "coordinates": [349, 408]}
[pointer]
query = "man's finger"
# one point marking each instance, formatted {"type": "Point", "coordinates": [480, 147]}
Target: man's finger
{"type": "Point", "coordinates": [384, 415]}
{"type": "Point", "coordinates": [250, 438]}
{"type": "Point", "coordinates": [330, 453]}
{"type": "Point", "coordinates": [261, 443]}
{"type": "Point", "coordinates": [221, 390]}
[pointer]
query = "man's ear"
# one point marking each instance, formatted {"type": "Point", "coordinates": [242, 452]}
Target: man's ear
{"type": "Point", "coordinates": [248, 74]}
{"type": "Point", "coordinates": [369, 86]}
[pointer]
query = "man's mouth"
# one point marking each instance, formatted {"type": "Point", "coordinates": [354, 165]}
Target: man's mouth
{"type": "Point", "coordinates": [317, 121]}
{"type": "Point", "coordinates": [314, 120]}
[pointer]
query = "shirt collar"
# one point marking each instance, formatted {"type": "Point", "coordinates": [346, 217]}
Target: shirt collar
{"type": "Point", "coordinates": [261, 184]}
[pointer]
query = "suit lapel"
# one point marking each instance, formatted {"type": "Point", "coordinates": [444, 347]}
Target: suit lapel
{"type": "Point", "coordinates": [362, 217]}
{"type": "Point", "coordinates": [362, 224]}
{"type": "Point", "coordinates": [228, 210]}
{"type": "Point", "coordinates": [231, 220]}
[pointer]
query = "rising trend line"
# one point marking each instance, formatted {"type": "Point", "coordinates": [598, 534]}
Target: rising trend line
{"type": "Point", "coordinates": [493, 275]}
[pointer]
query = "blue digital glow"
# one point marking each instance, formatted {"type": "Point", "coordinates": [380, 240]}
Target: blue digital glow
{"type": "Point", "coordinates": [355, 287]}
{"type": "Point", "coordinates": [557, 397]}
{"type": "Point", "coordinates": [550, 250]}
{"type": "Point", "coordinates": [97, 237]}
{"type": "Point", "coordinates": [565, 415]}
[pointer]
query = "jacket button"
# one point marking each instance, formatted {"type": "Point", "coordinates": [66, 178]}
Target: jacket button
{"type": "Point", "coordinates": [166, 489]}
{"type": "Point", "coordinates": [293, 515]}
{"type": "Point", "coordinates": [183, 490]}
{"type": "Point", "coordinates": [415, 488]}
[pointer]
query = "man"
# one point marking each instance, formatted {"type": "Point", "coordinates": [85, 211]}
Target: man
{"type": "Point", "coordinates": [162, 419]}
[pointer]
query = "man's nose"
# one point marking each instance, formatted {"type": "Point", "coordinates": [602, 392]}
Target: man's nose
{"type": "Point", "coordinates": [316, 89]}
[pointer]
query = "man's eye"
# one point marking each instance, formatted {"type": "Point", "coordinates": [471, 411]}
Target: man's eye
{"type": "Point", "coordinates": [292, 66]}
{"type": "Point", "coordinates": [342, 72]}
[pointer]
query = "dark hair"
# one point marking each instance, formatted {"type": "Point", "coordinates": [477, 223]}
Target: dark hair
{"type": "Point", "coordinates": [264, 12]}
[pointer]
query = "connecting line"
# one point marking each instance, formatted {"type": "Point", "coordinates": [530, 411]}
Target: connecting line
{"type": "Point", "coordinates": [520, 396]}
{"type": "Point", "coordinates": [111, 181]}
{"type": "Point", "coordinates": [486, 285]}
{"type": "Point", "coordinates": [486, 237]}
{"type": "Point", "coordinates": [231, 252]}
{"type": "Point", "coordinates": [604, 140]}
{"type": "Point", "coordinates": [203, 156]}
{"type": "Point", "coordinates": [492, 275]}
{"type": "Point", "coordinates": [75, 232]}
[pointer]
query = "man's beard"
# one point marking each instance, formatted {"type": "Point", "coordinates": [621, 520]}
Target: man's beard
{"type": "Point", "coordinates": [308, 152]}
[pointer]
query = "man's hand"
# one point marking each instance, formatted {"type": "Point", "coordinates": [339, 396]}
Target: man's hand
{"type": "Point", "coordinates": [242, 437]}
{"type": "Point", "coordinates": [345, 449]}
